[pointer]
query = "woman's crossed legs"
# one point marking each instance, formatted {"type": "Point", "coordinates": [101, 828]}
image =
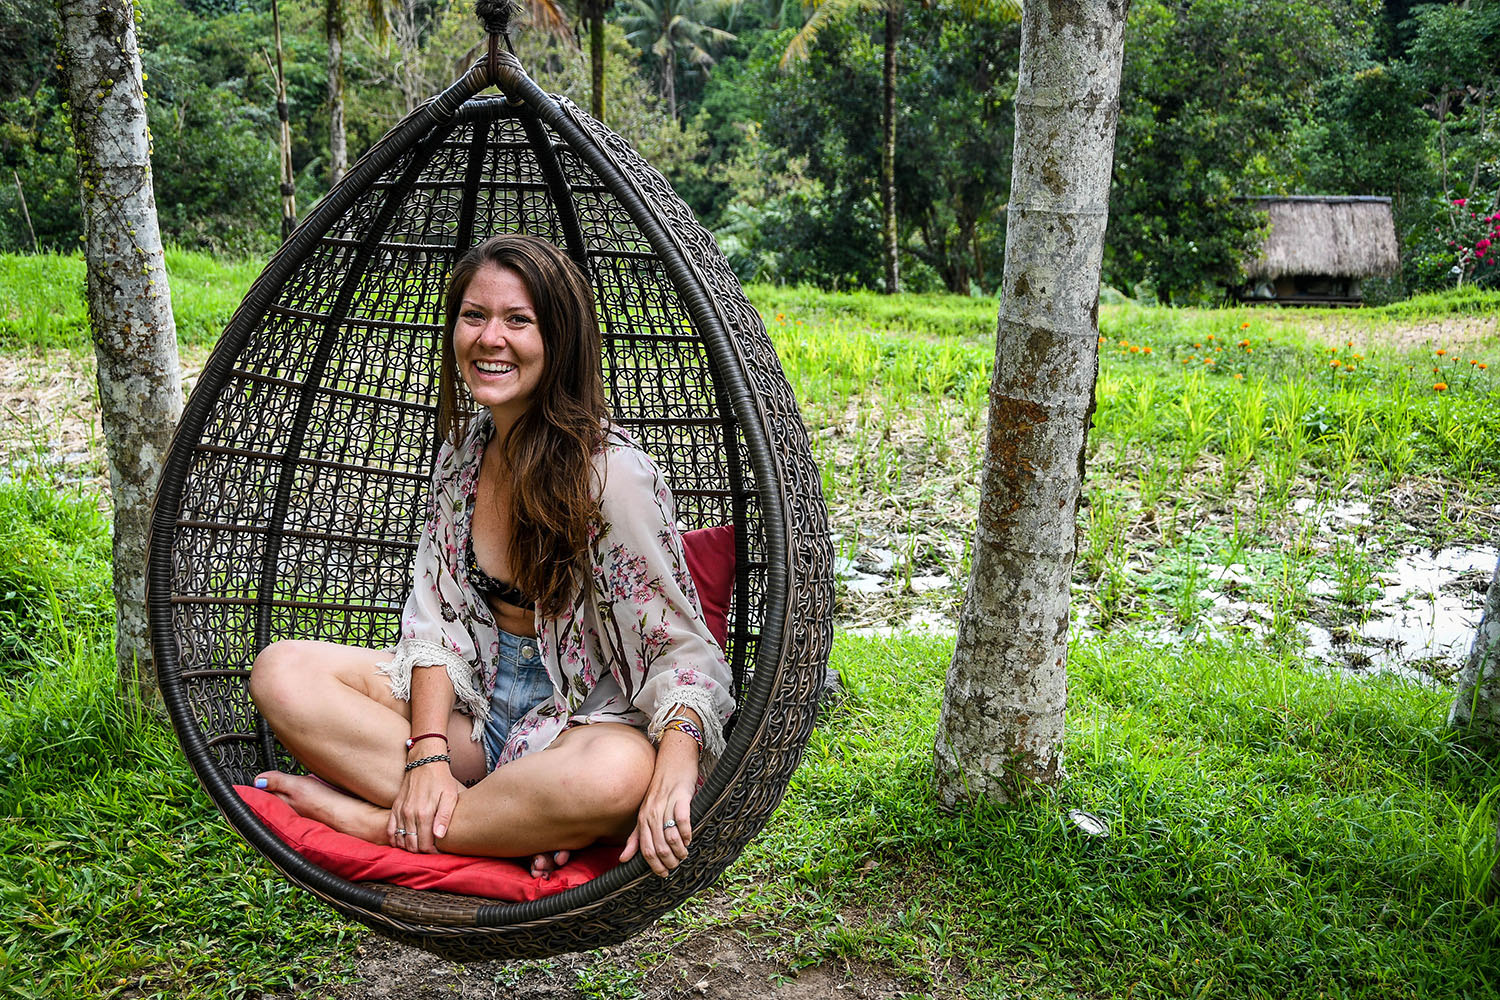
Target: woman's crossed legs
{"type": "Point", "coordinates": [337, 716]}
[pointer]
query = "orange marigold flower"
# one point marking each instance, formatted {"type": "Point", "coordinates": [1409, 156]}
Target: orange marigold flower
{"type": "Point", "coordinates": [1146, 350]}
{"type": "Point", "coordinates": [1359, 357]}
{"type": "Point", "coordinates": [1440, 386]}
{"type": "Point", "coordinates": [1239, 376]}
{"type": "Point", "coordinates": [1197, 345]}
{"type": "Point", "coordinates": [1210, 336]}
{"type": "Point", "coordinates": [1208, 361]}
{"type": "Point", "coordinates": [1441, 352]}
{"type": "Point", "coordinates": [1135, 349]}
{"type": "Point", "coordinates": [1351, 343]}
{"type": "Point", "coordinates": [1188, 361]}
{"type": "Point", "coordinates": [781, 317]}
{"type": "Point", "coordinates": [1483, 365]}
{"type": "Point", "coordinates": [1245, 325]}
{"type": "Point", "coordinates": [1335, 363]}
{"type": "Point", "coordinates": [1473, 361]}
{"type": "Point", "coordinates": [1124, 343]}
{"type": "Point", "coordinates": [1244, 343]}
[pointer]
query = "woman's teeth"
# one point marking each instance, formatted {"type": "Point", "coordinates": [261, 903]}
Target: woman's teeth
{"type": "Point", "coordinates": [494, 367]}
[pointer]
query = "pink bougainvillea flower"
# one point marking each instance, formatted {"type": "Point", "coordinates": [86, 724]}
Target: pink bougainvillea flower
{"type": "Point", "coordinates": [1460, 202]}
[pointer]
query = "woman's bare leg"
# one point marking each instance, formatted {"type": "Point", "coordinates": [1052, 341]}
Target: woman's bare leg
{"type": "Point", "coordinates": [337, 716]}
{"type": "Point", "coordinates": [586, 787]}
{"type": "Point", "coordinates": [331, 709]}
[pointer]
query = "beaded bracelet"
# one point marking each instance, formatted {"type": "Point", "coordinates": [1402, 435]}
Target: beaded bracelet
{"type": "Point", "coordinates": [684, 725]}
{"type": "Point", "coordinates": [428, 760]}
{"type": "Point", "coordinates": [426, 736]}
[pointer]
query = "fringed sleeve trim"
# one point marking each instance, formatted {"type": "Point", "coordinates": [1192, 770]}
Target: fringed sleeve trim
{"type": "Point", "coordinates": [702, 702]}
{"type": "Point", "coordinates": [412, 653]}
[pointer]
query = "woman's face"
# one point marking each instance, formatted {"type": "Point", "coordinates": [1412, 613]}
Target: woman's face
{"type": "Point", "coordinates": [497, 343]}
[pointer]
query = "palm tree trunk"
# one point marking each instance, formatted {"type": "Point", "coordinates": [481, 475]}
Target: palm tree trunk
{"type": "Point", "coordinates": [130, 305]}
{"type": "Point", "coordinates": [338, 149]}
{"type": "Point", "coordinates": [888, 148]}
{"type": "Point", "coordinates": [1001, 727]}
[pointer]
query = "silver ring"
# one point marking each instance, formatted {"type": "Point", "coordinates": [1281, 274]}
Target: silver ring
{"type": "Point", "coordinates": [400, 833]}
{"type": "Point", "coordinates": [669, 824]}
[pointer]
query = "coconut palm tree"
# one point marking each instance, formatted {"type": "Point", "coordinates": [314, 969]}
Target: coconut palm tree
{"type": "Point", "coordinates": [828, 12]}
{"type": "Point", "coordinates": [676, 30]}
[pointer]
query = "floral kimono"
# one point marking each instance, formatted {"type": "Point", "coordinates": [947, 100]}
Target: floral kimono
{"type": "Point", "coordinates": [632, 646]}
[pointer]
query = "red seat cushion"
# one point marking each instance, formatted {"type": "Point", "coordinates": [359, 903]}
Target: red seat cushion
{"type": "Point", "coordinates": [710, 560]}
{"type": "Point", "coordinates": [358, 861]}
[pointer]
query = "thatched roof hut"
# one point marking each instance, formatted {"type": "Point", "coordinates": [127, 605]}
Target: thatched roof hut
{"type": "Point", "coordinates": [1319, 247]}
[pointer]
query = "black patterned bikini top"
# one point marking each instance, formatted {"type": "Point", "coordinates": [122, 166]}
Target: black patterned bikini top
{"type": "Point", "coordinates": [486, 585]}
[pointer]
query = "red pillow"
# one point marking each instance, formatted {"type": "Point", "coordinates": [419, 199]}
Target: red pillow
{"type": "Point", "coordinates": [710, 561]}
{"type": "Point", "coordinates": [358, 861]}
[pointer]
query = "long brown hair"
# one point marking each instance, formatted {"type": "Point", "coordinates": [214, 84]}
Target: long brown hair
{"type": "Point", "coordinates": [549, 450]}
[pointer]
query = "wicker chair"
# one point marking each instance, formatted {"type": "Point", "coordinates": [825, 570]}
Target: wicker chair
{"type": "Point", "coordinates": [292, 496]}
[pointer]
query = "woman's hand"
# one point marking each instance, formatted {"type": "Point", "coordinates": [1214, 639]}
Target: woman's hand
{"type": "Point", "coordinates": [664, 825]}
{"type": "Point", "coordinates": [423, 807]}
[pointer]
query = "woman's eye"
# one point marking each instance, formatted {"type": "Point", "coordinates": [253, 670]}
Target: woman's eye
{"type": "Point", "coordinates": [472, 314]}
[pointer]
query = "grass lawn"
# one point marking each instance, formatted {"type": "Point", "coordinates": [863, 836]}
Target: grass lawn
{"type": "Point", "coordinates": [1280, 825]}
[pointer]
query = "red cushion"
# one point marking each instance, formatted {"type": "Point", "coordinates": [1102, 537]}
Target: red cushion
{"type": "Point", "coordinates": [710, 560]}
{"type": "Point", "coordinates": [358, 861]}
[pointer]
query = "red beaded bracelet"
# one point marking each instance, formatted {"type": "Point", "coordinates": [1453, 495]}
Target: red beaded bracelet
{"type": "Point", "coordinates": [425, 736]}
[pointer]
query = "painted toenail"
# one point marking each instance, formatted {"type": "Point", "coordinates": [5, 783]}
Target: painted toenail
{"type": "Point", "coordinates": [261, 782]}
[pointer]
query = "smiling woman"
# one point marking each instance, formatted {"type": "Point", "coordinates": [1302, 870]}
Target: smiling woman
{"type": "Point", "coordinates": [609, 664]}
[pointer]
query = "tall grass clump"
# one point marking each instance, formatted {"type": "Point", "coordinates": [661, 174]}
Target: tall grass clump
{"type": "Point", "coordinates": [118, 875]}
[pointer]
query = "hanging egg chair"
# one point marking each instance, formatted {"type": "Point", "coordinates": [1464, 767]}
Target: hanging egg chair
{"type": "Point", "coordinates": [293, 494]}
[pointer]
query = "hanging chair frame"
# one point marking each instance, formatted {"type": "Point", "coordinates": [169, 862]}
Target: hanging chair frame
{"type": "Point", "coordinates": [778, 706]}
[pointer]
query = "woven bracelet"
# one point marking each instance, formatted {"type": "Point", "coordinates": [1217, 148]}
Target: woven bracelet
{"type": "Point", "coordinates": [685, 726]}
{"type": "Point", "coordinates": [428, 760]}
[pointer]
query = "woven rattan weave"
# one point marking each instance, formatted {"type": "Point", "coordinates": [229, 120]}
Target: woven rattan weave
{"type": "Point", "coordinates": [293, 494]}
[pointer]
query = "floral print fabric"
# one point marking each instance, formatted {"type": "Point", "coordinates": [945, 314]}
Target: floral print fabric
{"type": "Point", "coordinates": [631, 647]}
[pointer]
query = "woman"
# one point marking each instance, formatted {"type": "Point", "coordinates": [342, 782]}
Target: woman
{"type": "Point", "coordinates": [555, 684]}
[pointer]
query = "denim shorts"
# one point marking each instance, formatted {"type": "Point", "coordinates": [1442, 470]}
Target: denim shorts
{"type": "Point", "coordinates": [521, 683]}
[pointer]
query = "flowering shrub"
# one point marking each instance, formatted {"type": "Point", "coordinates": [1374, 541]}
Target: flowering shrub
{"type": "Point", "coordinates": [1474, 241]}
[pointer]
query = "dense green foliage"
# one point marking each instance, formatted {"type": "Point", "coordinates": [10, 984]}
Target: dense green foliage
{"type": "Point", "coordinates": [781, 158]}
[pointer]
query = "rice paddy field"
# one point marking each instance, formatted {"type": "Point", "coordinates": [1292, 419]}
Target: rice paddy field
{"type": "Point", "coordinates": [1288, 522]}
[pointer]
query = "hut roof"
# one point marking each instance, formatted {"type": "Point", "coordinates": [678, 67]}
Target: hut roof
{"type": "Point", "coordinates": [1342, 237]}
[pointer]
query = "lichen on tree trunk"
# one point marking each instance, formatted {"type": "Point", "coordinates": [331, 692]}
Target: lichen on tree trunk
{"type": "Point", "coordinates": [130, 306]}
{"type": "Point", "coordinates": [1001, 727]}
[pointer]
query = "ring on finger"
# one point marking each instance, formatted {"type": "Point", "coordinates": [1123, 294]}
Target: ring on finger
{"type": "Point", "coordinates": [669, 824]}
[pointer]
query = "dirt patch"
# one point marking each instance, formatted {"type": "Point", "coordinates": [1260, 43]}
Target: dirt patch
{"type": "Point", "coordinates": [51, 404]}
{"type": "Point", "coordinates": [661, 964]}
{"type": "Point", "coordinates": [1449, 333]}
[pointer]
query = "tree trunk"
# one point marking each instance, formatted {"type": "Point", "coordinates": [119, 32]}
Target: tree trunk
{"type": "Point", "coordinates": [594, 14]}
{"type": "Point", "coordinates": [130, 306]}
{"type": "Point", "coordinates": [1001, 727]}
{"type": "Point", "coordinates": [338, 145]}
{"type": "Point", "coordinates": [888, 148]}
{"type": "Point", "coordinates": [1476, 706]}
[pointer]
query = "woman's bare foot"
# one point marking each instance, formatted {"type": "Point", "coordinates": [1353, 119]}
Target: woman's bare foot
{"type": "Point", "coordinates": [316, 799]}
{"type": "Point", "coordinates": [543, 865]}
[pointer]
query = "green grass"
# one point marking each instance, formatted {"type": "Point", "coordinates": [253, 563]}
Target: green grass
{"type": "Point", "coordinates": [1279, 830]}
{"type": "Point", "coordinates": [117, 873]}
{"type": "Point", "coordinates": [1275, 833]}
{"type": "Point", "coordinates": [42, 302]}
